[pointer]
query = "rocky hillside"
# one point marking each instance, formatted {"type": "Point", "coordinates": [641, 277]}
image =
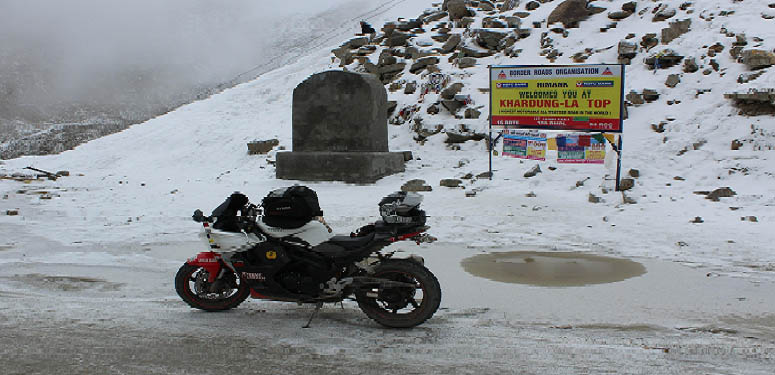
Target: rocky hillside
{"type": "Point", "coordinates": [435, 65]}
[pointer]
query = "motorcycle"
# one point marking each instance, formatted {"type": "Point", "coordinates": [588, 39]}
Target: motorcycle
{"type": "Point", "coordinates": [282, 250]}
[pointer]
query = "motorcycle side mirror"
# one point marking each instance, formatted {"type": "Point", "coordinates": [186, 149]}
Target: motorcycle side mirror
{"type": "Point", "coordinates": [198, 216]}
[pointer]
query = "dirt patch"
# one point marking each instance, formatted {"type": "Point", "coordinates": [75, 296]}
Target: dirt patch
{"type": "Point", "coordinates": [551, 269]}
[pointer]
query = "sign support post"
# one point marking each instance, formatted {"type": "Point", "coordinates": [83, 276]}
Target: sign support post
{"type": "Point", "coordinates": [490, 147]}
{"type": "Point", "coordinates": [618, 163]}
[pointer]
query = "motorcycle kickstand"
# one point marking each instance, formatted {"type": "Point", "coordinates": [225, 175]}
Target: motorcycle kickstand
{"type": "Point", "coordinates": [317, 308]}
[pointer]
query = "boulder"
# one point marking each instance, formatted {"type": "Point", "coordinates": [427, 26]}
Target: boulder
{"type": "Point", "coordinates": [450, 182]}
{"type": "Point", "coordinates": [410, 24]}
{"type": "Point", "coordinates": [532, 5]}
{"type": "Point", "coordinates": [649, 40]}
{"type": "Point", "coordinates": [451, 43]}
{"type": "Point", "coordinates": [635, 98]}
{"type": "Point", "coordinates": [442, 38]}
{"type": "Point", "coordinates": [357, 42]}
{"type": "Point", "coordinates": [366, 50]}
{"type": "Point", "coordinates": [457, 9]}
{"type": "Point", "coordinates": [619, 15]}
{"type": "Point", "coordinates": [626, 184]}
{"type": "Point", "coordinates": [489, 39]}
{"type": "Point", "coordinates": [724, 192]}
{"type": "Point", "coordinates": [627, 51]}
{"type": "Point", "coordinates": [569, 13]}
{"type": "Point", "coordinates": [386, 58]}
{"type": "Point", "coordinates": [344, 55]}
{"type": "Point", "coordinates": [664, 14]}
{"type": "Point", "coordinates": [261, 147]}
{"type": "Point", "coordinates": [533, 171]}
{"type": "Point", "coordinates": [629, 6]}
{"type": "Point", "coordinates": [466, 62]}
{"type": "Point", "coordinates": [472, 113]}
{"type": "Point", "coordinates": [420, 64]}
{"type": "Point", "coordinates": [452, 106]}
{"type": "Point", "coordinates": [493, 23]}
{"type": "Point", "coordinates": [740, 40]}
{"type": "Point", "coordinates": [690, 65]}
{"type": "Point", "coordinates": [416, 185]}
{"type": "Point", "coordinates": [391, 106]}
{"type": "Point", "coordinates": [675, 30]}
{"type": "Point", "coordinates": [650, 95]}
{"type": "Point", "coordinates": [663, 60]}
{"type": "Point", "coordinates": [513, 22]}
{"type": "Point", "coordinates": [410, 88]}
{"type": "Point", "coordinates": [453, 137]}
{"type": "Point", "coordinates": [508, 5]}
{"type": "Point", "coordinates": [673, 80]}
{"type": "Point", "coordinates": [397, 38]}
{"type": "Point", "coordinates": [757, 59]}
{"type": "Point", "coordinates": [465, 22]}
{"type": "Point", "coordinates": [486, 5]}
{"type": "Point", "coordinates": [473, 51]}
{"type": "Point", "coordinates": [394, 68]}
{"type": "Point", "coordinates": [449, 92]}
{"type": "Point", "coordinates": [748, 77]}
{"type": "Point", "coordinates": [433, 17]}
{"type": "Point", "coordinates": [754, 102]}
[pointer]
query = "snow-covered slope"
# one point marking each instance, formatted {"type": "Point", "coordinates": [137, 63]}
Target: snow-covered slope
{"type": "Point", "coordinates": [142, 184]}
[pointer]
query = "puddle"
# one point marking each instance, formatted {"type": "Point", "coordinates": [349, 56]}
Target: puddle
{"type": "Point", "coordinates": [551, 269]}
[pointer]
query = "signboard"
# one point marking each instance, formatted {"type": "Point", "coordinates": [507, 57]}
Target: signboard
{"type": "Point", "coordinates": [586, 149]}
{"type": "Point", "coordinates": [567, 97]}
{"type": "Point", "coordinates": [525, 145]}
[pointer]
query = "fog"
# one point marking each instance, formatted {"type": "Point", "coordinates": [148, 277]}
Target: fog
{"type": "Point", "coordinates": [75, 60]}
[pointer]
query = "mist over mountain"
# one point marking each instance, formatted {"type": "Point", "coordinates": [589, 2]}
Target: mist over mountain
{"type": "Point", "coordinates": [102, 65]}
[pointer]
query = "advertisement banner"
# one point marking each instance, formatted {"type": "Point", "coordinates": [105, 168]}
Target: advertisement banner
{"type": "Point", "coordinates": [525, 145]}
{"type": "Point", "coordinates": [569, 97]}
{"type": "Point", "coordinates": [585, 149]}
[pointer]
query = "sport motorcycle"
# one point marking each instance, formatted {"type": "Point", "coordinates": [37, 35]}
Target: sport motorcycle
{"type": "Point", "coordinates": [283, 250]}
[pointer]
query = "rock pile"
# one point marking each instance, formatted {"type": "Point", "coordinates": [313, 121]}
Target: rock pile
{"type": "Point", "coordinates": [755, 102]}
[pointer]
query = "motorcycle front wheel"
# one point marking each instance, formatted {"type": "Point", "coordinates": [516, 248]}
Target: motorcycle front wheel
{"type": "Point", "coordinates": [191, 283]}
{"type": "Point", "coordinates": [401, 307]}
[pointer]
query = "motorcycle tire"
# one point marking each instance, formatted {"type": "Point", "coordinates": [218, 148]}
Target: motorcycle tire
{"type": "Point", "coordinates": [389, 307]}
{"type": "Point", "coordinates": [186, 276]}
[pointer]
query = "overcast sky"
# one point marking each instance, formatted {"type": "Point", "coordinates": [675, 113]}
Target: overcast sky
{"type": "Point", "coordinates": [79, 35]}
{"type": "Point", "coordinates": [56, 51]}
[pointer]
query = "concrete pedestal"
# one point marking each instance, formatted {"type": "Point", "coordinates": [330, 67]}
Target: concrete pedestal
{"type": "Point", "coordinates": [352, 167]}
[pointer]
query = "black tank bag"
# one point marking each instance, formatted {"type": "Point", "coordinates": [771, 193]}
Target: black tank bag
{"type": "Point", "coordinates": [291, 207]}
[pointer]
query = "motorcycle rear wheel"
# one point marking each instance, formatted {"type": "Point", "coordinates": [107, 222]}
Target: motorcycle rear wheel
{"type": "Point", "coordinates": [401, 307]}
{"type": "Point", "coordinates": [190, 283]}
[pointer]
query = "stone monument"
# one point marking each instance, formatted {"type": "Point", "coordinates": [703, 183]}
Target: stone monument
{"type": "Point", "coordinates": [339, 131]}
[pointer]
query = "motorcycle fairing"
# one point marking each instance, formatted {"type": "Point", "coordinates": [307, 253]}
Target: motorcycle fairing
{"type": "Point", "coordinates": [210, 261]}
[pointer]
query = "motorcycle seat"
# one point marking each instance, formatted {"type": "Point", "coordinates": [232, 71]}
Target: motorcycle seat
{"type": "Point", "coordinates": [351, 243]}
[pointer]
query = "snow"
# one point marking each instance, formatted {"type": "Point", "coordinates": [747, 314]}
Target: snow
{"type": "Point", "coordinates": [130, 195]}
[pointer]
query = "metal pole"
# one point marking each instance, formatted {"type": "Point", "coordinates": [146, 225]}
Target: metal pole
{"type": "Point", "coordinates": [489, 148]}
{"type": "Point", "coordinates": [489, 121]}
{"type": "Point", "coordinates": [618, 162]}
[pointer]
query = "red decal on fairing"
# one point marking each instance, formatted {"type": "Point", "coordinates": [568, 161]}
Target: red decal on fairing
{"type": "Point", "coordinates": [210, 261]}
